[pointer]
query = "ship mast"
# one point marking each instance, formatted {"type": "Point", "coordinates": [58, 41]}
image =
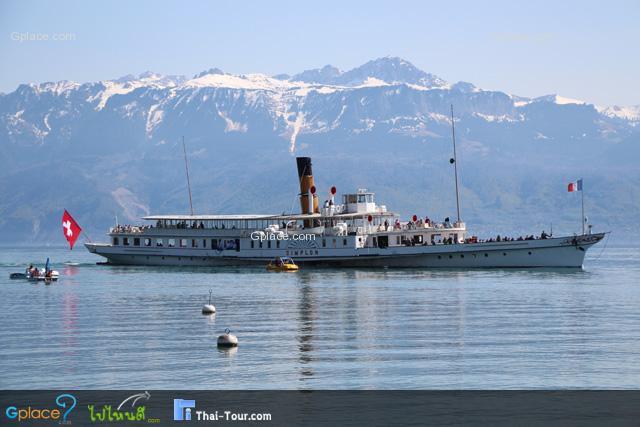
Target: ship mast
{"type": "Point", "coordinates": [186, 167]}
{"type": "Point", "coordinates": [454, 161]}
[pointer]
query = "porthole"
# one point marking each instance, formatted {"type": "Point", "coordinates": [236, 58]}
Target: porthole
{"type": "Point", "coordinates": [504, 253]}
{"type": "Point", "coordinates": [461, 255]}
{"type": "Point", "coordinates": [529, 252]}
{"type": "Point", "coordinates": [439, 257]}
{"type": "Point", "coordinates": [486, 255]}
{"type": "Point", "coordinates": [162, 257]}
{"type": "Point", "coordinates": [450, 256]}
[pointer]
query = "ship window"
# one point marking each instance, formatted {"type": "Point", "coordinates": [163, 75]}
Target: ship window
{"type": "Point", "coordinates": [334, 243]}
{"type": "Point", "coordinates": [450, 256]}
{"type": "Point", "coordinates": [278, 244]}
{"type": "Point", "coordinates": [252, 244]}
{"type": "Point", "coordinates": [361, 198]}
{"type": "Point", "coordinates": [183, 243]}
{"type": "Point", "coordinates": [194, 243]}
{"type": "Point", "coordinates": [260, 245]}
{"type": "Point", "coordinates": [504, 253]}
{"type": "Point", "coordinates": [158, 242]}
{"type": "Point", "coordinates": [486, 255]}
{"type": "Point", "coordinates": [136, 241]}
{"type": "Point", "coordinates": [125, 241]}
{"type": "Point", "coordinates": [269, 244]}
{"type": "Point", "coordinates": [172, 243]}
{"type": "Point", "coordinates": [214, 244]}
{"type": "Point", "coordinates": [344, 242]}
{"type": "Point", "coordinates": [529, 252]}
{"type": "Point", "coordinates": [324, 242]}
{"type": "Point", "coordinates": [116, 241]}
{"type": "Point", "coordinates": [439, 256]}
{"type": "Point", "coordinates": [204, 243]}
{"type": "Point", "coordinates": [397, 240]}
{"type": "Point", "coordinates": [147, 242]}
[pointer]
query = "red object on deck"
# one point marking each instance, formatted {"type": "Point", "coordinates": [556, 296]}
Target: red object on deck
{"type": "Point", "coordinates": [333, 190]}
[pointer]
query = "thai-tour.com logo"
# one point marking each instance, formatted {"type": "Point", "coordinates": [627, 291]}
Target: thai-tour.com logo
{"type": "Point", "coordinates": [185, 410]}
{"type": "Point", "coordinates": [64, 405]}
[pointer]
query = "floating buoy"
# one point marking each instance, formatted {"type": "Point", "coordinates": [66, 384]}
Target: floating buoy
{"type": "Point", "coordinates": [227, 340]}
{"type": "Point", "coordinates": [209, 308]}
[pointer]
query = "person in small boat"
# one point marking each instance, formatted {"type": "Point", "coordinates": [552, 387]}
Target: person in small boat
{"type": "Point", "coordinates": [279, 262]}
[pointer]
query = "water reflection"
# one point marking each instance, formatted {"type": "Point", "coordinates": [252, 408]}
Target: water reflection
{"type": "Point", "coordinates": [306, 313]}
{"type": "Point", "coordinates": [229, 352]}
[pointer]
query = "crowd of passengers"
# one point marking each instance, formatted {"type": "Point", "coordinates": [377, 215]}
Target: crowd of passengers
{"type": "Point", "coordinates": [130, 228]}
{"type": "Point", "coordinates": [499, 238]}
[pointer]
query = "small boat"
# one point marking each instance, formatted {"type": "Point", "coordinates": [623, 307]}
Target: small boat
{"type": "Point", "coordinates": [282, 264]}
{"type": "Point", "coordinates": [35, 274]}
{"type": "Point", "coordinates": [71, 264]}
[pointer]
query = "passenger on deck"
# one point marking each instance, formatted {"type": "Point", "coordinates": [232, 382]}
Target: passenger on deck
{"type": "Point", "coordinates": [543, 235]}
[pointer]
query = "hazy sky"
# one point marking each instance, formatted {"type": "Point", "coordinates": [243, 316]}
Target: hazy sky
{"type": "Point", "coordinates": [578, 49]}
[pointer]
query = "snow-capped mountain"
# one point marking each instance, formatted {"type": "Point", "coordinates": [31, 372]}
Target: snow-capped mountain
{"type": "Point", "coordinates": [111, 146]}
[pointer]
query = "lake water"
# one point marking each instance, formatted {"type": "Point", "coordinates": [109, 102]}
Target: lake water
{"type": "Point", "coordinates": [142, 327]}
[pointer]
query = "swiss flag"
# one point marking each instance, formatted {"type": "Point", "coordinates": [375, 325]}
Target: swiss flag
{"type": "Point", "coordinates": [70, 228]}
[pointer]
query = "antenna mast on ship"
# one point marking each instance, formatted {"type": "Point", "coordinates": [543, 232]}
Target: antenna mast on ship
{"type": "Point", "coordinates": [186, 167]}
{"type": "Point", "coordinates": [454, 161]}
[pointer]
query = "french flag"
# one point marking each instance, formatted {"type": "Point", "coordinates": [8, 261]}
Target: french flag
{"type": "Point", "coordinates": [575, 186]}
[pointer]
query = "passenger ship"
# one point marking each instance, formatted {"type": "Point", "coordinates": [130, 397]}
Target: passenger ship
{"type": "Point", "coordinates": [357, 232]}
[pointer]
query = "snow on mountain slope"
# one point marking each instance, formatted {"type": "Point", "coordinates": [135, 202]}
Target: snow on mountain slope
{"type": "Point", "coordinates": [362, 100]}
{"type": "Point", "coordinates": [631, 113]}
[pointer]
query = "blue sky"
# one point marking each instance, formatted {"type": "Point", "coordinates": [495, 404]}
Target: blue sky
{"type": "Point", "coordinates": [578, 49]}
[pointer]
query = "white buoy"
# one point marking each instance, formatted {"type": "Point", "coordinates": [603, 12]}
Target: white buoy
{"type": "Point", "coordinates": [209, 308]}
{"type": "Point", "coordinates": [227, 340]}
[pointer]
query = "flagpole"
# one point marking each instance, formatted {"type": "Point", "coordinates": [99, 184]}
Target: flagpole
{"type": "Point", "coordinates": [455, 163]}
{"type": "Point", "coordinates": [582, 194]}
{"type": "Point", "coordinates": [186, 167]}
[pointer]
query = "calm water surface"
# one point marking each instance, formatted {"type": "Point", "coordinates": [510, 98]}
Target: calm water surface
{"type": "Point", "coordinates": [141, 327]}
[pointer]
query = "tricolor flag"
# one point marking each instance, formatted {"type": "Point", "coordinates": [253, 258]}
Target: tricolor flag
{"type": "Point", "coordinates": [70, 228]}
{"type": "Point", "coordinates": [575, 186]}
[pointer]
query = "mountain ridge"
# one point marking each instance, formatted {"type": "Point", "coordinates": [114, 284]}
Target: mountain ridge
{"type": "Point", "coordinates": [112, 147]}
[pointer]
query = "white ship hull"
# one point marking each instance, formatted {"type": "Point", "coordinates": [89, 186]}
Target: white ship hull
{"type": "Point", "coordinates": [563, 252]}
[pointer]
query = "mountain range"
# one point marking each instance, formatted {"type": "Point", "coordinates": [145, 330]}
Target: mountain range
{"type": "Point", "coordinates": [113, 148]}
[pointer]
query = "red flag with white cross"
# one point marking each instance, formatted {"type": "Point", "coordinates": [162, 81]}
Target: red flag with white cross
{"type": "Point", "coordinates": [70, 228]}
